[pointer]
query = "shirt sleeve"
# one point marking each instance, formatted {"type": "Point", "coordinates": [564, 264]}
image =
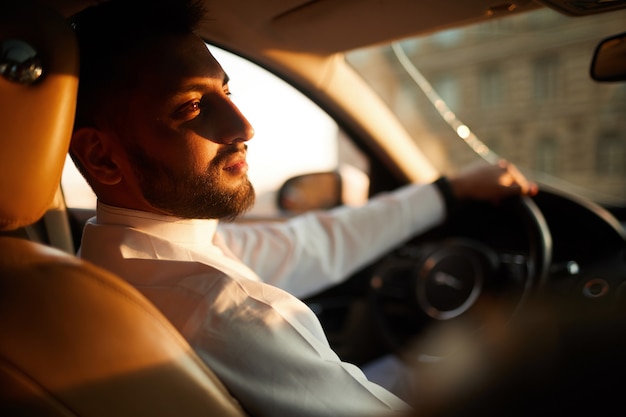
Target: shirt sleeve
{"type": "Point", "coordinates": [315, 250]}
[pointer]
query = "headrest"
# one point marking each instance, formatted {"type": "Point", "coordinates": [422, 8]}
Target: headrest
{"type": "Point", "coordinates": [36, 114]}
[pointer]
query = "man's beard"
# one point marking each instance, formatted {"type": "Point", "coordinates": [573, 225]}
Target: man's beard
{"type": "Point", "coordinates": [189, 195]}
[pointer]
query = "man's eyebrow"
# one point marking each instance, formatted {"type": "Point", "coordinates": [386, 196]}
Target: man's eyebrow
{"type": "Point", "coordinates": [199, 86]}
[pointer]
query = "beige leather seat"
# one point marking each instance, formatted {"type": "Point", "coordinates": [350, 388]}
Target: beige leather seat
{"type": "Point", "coordinates": [74, 339]}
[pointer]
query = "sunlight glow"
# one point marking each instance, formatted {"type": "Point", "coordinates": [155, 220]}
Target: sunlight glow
{"type": "Point", "coordinates": [463, 131]}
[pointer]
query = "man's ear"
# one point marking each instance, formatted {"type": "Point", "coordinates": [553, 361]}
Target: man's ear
{"type": "Point", "coordinates": [95, 151]}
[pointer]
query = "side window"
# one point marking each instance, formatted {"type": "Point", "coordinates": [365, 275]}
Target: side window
{"type": "Point", "coordinates": [293, 136]}
{"type": "Point", "coordinates": [77, 192]}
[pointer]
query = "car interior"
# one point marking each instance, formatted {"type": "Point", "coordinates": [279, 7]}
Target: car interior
{"type": "Point", "coordinates": [77, 340]}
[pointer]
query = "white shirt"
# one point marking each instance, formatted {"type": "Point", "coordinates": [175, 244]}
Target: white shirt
{"type": "Point", "coordinates": [212, 283]}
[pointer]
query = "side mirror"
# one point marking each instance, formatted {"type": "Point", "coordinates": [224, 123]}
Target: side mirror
{"type": "Point", "coordinates": [324, 190]}
{"type": "Point", "coordinates": [609, 59]}
{"type": "Point", "coordinates": [317, 191]}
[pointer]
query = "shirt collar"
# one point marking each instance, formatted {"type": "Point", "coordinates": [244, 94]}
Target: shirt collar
{"type": "Point", "coordinates": [189, 232]}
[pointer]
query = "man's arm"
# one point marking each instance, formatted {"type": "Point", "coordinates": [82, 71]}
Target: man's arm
{"type": "Point", "coordinates": [318, 249]}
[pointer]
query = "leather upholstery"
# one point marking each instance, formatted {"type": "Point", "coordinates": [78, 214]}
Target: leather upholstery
{"type": "Point", "coordinates": [36, 120]}
{"type": "Point", "coordinates": [75, 340]}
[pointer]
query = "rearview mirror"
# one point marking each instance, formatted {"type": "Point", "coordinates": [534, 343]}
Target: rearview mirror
{"type": "Point", "coordinates": [609, 59]}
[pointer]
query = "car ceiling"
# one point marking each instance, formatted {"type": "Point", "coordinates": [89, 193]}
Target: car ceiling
{"type": "Point", "coordinates": [328, 26]}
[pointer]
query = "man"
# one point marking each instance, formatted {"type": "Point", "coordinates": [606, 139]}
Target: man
{"type": "Point", "coordinates": [164, 149]}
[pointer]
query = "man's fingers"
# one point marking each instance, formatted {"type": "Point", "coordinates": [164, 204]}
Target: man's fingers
{"type": "Point", "coordinates": [515, 180]}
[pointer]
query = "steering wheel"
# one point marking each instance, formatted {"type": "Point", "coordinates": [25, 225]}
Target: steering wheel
{"type": "Point", "coordinates": [483, 254]}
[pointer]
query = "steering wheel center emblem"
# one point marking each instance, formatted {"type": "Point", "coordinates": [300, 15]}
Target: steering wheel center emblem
{"type": "Point", "coordinates": [449, 283]}
{"type": "Point", "coordinates": [442, 278]}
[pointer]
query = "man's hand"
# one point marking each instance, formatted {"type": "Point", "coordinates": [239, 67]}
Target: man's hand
{"type": "Point", "coordinates": [491, 182]}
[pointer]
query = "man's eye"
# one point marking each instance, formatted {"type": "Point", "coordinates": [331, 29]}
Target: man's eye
{"type": "Point", "coordinates": [188, 109]}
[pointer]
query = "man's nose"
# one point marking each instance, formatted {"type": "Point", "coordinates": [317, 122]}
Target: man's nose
{"type": "Point", "coordinates": [229, 125]}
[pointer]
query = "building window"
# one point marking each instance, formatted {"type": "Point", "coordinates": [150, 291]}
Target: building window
{"type": "Point", "coordinates": [610, 156]}
{"type": "Point", "coordinates": [491, 87]}
{"type": "Point", "coordinates": [546, 80]}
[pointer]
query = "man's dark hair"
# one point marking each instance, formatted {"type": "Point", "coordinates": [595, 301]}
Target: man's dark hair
{"type": "Point", "coordinates": [111, 35]}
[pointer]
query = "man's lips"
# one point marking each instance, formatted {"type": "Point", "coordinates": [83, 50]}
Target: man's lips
{"type": "Point", "coordinates": [238, 165]}
{"type": "Point", "coordinates": [235, 159]}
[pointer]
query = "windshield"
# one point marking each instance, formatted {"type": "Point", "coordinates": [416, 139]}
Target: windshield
{"type": "Point", "coordinates": [516, 87]}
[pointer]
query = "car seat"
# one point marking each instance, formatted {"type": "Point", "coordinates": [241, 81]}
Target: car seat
{"type": "Point", "coordinates": [75, 340]}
